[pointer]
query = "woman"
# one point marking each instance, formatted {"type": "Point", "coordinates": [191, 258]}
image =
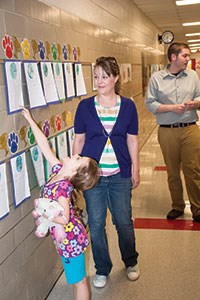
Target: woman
{"type": "Point", "coordinates": [106, 129]}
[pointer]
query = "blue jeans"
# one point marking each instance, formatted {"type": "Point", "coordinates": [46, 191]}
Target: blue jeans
{"type": "Point", "coordinates": [111, 192]}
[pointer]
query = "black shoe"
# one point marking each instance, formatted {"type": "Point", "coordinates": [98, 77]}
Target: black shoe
{"type": "Point", "coordinates": [196, 219]}
{"type": "Point", "coordinates": [173, 214]}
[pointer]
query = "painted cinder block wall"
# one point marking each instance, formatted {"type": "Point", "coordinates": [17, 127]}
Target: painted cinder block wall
{"type": "Point", "coordinates": [30, 266]}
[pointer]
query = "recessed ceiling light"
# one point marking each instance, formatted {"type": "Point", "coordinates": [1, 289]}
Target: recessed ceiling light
{"type": "Point", "coordinates": [187, 2]}
{"type": "Point", "coordinates": [191, 24]}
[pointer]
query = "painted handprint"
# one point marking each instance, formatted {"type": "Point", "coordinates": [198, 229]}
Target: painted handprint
{"type": "Point", "coordinates": [13, 142]}
{"type": "Point", "coordinates": [30, 136]}
{"type": "Point", "coordinates": [7, 46]}
{"type": "Point", "coordinates": [65, 52]}
{"type": "Point", "coordinates": [54, 51]}
{"type": "Point", "coordinates": [3, 142]}
{"type": "Point", "coordinates": [35, 48]}
{"type": "Point", "coordinates": [58, 122]}
{"type": "Point", "coordinates": [59, 50]}
{"type": "Point", "coordinates": [41, 49]}
{"type": "Point", "coordinates": [25, 48]}
{"type": "Point", "coordinates": [17, 46]}
{"type": "Point", "coordinates": [46, 128]}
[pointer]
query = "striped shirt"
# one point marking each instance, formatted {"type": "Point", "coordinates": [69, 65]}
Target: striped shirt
{"type": "Point", "coordinates": [108, 162]}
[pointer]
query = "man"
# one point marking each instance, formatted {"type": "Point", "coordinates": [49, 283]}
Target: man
{"type": "Point", "coordinates": [173, 95]}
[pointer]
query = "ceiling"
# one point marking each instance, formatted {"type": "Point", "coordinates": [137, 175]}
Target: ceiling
{"type": "Point", "coordinates": [166, 15]}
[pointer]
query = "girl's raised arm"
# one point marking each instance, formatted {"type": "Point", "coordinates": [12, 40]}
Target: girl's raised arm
{"type": "Point", "coordinates": [40, 138]}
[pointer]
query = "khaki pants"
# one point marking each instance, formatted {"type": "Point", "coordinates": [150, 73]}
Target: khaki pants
{"type": "Point", "coordinates": [181, 149]}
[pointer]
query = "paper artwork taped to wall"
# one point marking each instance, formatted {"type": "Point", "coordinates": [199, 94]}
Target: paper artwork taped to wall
{"type": "Point", "coordinates": [37, 159]}
{"type": "Point", "coordinates": [34, 86]}
{"type": "Point", "coordinates": [49, 84]}
{"type": "Point", "coordinates": [94, 88]}
{"type": "Point", "coordinates": [47, 168]}
{"type": "Point", "coordinates": [13, 86]}
{"type": "Point", "coordinates": [69, 80]}
{"type": "Point", "coordinates": [59, 79]}
{"type": "Point", "coordinates": [79, 80]}
{"type": "Point", "coordinates": [70, 134]}
{"type": "Point", "coordinates": [62, 145]}
{"type": "Point", "coordinates": [4, 201]}
{"type": "Point", "coordinates": [20, 178]}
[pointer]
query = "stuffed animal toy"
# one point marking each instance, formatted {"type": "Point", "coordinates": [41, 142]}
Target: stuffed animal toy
{"type": "Point", "coordinates": [51, 209]}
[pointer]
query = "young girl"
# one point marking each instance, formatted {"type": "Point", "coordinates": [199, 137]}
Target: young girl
{"type": "Point", "coordinates": [75, 172]}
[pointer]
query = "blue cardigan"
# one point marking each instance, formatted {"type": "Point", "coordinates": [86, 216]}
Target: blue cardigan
{"type": "Point", "coordinates": [87, 121]}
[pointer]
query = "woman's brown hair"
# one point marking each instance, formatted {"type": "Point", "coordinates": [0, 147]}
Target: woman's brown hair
{"type": "Point", "coordinates": [110, 66]}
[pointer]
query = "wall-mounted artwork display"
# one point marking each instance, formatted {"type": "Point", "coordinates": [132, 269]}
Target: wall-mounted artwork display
{"type": "Point", "coordinates": [62, 149]}
{"type": "Point", "coordinates": [70, 134]}
{"type": "Point", "coordinates": [94, 88]}
{"type": "Point", "coordinates": [13, 86]}
{"type": "Point", "coordinates": [47, 168]}
{"type": "Point", "coordinates": [125, 72]}
{"type": "Point", "coordinates": [69, 80]}
{"type": "Point", "coordinates": [37, 159]}
{"type": "Point", "coordinates": [49, 84]}
{"type": "Point", "coordinates": [59, 79]}
{"type": "Point", "coordinates": [4, 201]}
{"type": "Point", "coordinates": [19, 179]}
{"type": "Point", "coordinates": [34, 86]}
{"type": "Point", "coordinates": [79, 80]}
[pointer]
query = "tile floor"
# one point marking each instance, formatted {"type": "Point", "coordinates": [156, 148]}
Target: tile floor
{"type": "Point", "coordinates": [169, 252]}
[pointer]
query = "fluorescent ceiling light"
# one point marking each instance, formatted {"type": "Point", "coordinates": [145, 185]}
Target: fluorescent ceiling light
{"type": "Point", "coordinates": [192, 48]}
{"type": "Point", "coordinates": [187, 2]}
{"type": "Point", "coordinates": [193, 41]}
{"type": "Point", "coordinates": [192, 45]}
{"type": "Point", "coordinates": [191, 24]}
{"type": "Point", "coordinates": [193, 51]}
{"type": "Point", "coordinates": [192, 34]}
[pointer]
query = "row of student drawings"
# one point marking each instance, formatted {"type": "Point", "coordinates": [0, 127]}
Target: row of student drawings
{"type": "Point", "coordinates": [45, 83]}
{"type": "Point", "coordinates": [60, 144]}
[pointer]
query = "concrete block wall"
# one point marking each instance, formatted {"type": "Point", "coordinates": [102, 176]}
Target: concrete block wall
{"type": "Point", "coordinates": [30, 266]}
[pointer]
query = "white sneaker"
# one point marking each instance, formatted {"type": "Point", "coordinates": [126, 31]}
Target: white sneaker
{"type": "Point", "coordinates": [133, 273]}
{"type": "Point", "coordinates": [99, 281]}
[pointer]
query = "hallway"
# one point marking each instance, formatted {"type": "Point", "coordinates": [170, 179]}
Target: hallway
{"type": "Point", "coordinates": [169, 257]}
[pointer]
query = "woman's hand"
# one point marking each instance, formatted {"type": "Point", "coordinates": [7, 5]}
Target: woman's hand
{"type": "Point", "coordinates": [135, 180]}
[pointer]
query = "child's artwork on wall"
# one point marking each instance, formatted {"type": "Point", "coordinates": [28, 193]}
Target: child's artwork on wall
{"type": "Point", "coordinates": [19, 179]}
{"type": "Point", "coordinates": [94, 88]}
{"type": "Point", "coordinates": [4, 202]}
{"type": "Point", "coordinates": [62, 149]}
{"type": "Point", "coordinates": [69, 80]}
{"type": "Point", "coordinates": [79, 80]}
{"type": "Point", "coordinates": [70, 134]}
{"type": "Point", "coordinates": [13, 86]}
{"type": "Point", "coordinates": [59, 80]}
{"type": "Point", "coordinates": [37, 159]}
{"type": "Point", "coordinates": [49, 84]}
{"type": "Point", "coordinates": [47, 168]}
{"type": "Point", "coordinates": [35, 92]}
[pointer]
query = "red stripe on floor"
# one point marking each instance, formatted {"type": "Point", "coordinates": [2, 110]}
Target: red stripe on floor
{"type": "Point", "coordinates": [160, 168]}
{"type": "Point", "coordinates": [144, 223]}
